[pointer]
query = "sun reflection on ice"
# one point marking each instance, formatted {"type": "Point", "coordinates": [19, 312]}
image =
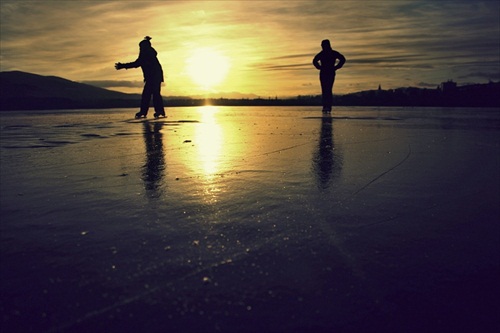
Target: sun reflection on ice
{"type": "Point", "coordinates": [210, 138]}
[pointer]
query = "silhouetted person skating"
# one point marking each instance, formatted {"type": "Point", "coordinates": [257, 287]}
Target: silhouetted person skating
{"type": "Point", "coordinates": [153, 77]}
{"type": "Point", "coordinates": [326, 62]}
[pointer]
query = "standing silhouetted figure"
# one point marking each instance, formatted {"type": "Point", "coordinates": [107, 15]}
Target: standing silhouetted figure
{"type": "Point", "coordinates": [153, 77]}
{"type": "Point", "coordinates": [326, 62]}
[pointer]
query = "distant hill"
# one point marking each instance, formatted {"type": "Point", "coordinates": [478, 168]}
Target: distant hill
{"type": "Point", "coordinates": [26, 91]}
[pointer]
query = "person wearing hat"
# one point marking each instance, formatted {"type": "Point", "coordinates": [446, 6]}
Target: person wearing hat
{"type": "Point", "coordinates": [153, 77]}
{"type": "Point", "coordinates": [327, 61]}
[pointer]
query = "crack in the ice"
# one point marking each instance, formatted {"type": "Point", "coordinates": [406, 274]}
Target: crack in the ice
{"type": "Point", "coordinates": [385, 172]}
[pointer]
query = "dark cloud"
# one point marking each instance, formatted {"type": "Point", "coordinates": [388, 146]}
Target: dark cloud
{"type": "Point", "coordinates": [481, 75]}
{"type": "Point", "coordinates": [294, 56]}
{"type": "Point", "coordinates": [285, 67]}
{"type": "Point", "coordinates": [427, 85]}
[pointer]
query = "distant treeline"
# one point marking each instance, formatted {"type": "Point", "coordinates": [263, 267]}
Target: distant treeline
{"type": "Point", "coordinates": [27, 91]}
{"type": "Point", "coordinates": [447, 94]}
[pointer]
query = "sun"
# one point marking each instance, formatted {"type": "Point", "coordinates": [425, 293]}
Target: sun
{"type": "Point", "coordinates": [207, 67]}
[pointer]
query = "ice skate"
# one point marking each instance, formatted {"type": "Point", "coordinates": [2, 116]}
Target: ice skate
{"type": "Point", "coordinates": [158, 115]}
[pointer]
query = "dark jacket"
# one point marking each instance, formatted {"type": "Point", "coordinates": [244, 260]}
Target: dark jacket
{"type": "Point", "coordinates": [151, 67]}
{"type": "Point", "coordinates": [326, 59]}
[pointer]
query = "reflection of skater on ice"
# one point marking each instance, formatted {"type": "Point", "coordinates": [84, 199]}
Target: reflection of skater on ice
{"type": "Point", "coordinates": [153, 77]}
{"type": "Point", "coordinates": [327, 160]}
{"type": "Point", "coordinates": [326, 62]}
{"type": "Point", "coordinates": [155, 160]}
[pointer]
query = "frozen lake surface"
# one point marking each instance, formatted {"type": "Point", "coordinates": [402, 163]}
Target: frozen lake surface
{"type": "Point", "coordinates": [250, 219]}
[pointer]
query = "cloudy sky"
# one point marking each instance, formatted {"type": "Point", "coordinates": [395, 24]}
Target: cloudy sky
{"type": "Point", "coordinates": [263, 48]}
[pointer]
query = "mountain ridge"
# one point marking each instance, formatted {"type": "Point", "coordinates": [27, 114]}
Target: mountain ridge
{"type": "Point", "coordinates": [24, 91]}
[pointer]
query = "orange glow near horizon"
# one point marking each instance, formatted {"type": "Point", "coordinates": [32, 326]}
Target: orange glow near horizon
{"type": "Point", "coordinates": [219, 48]}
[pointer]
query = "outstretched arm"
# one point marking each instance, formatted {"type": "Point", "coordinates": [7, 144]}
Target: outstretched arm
{"type": "Point", "coordinates": [134, 64]}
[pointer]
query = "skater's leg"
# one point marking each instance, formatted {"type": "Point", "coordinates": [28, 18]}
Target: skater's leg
{"type": "Point", "coordinates": [158, 100]}
{"type": "Point", "coordinates": [327, 80]}
{"type": "Point", "coordinates": [324, 90]}
{"type": "Point", "coordinates": [145, 99]}
{"type": "Point", "coordinates": [331, 91]}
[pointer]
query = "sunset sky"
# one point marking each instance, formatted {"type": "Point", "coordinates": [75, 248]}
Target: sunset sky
{"type": "Point", "coordinates": [255, 48]}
